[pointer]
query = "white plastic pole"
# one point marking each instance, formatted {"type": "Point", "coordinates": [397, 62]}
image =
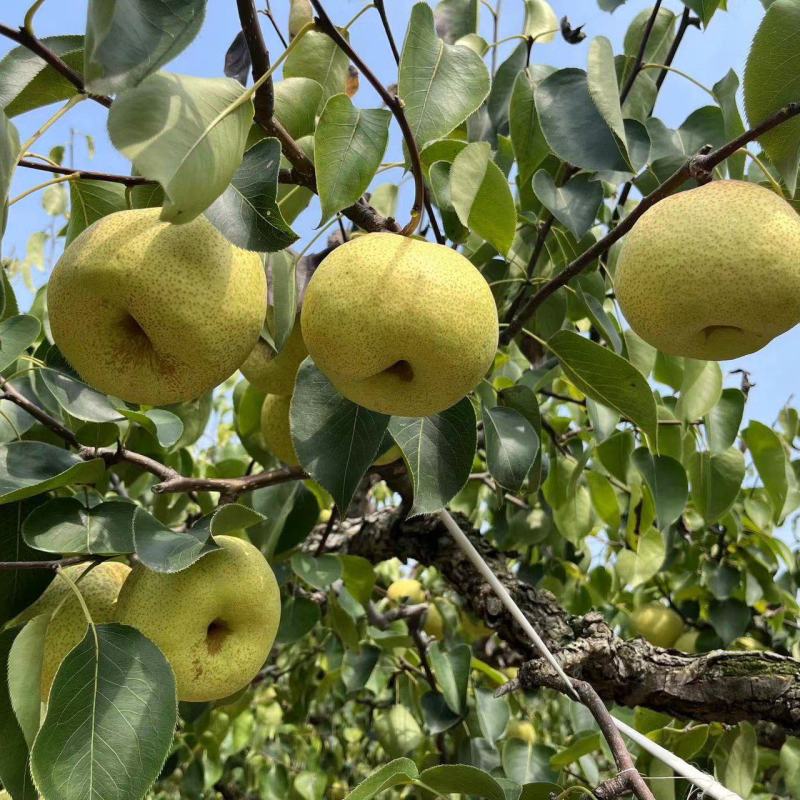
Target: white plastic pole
{"type": "Point", "coordinates": [702, 780]}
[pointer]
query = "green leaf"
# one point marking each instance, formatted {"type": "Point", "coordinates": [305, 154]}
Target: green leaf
{"type": "Point", "coordinates": [584, 743]}
{"type": "Point", "coordinates": [481, 196]}
{"type": "Point", "coordinates": [298, 616]}
{"type": "Point", "coordinates": [771, 80]}
{"type": "Point", "coordinates": [716, 479]}
{"type": "Point", "coordinates": [25, 676]}
{"type": "Point", "coordinates": [704, 8]}
{"type": "Point", "coordinates": [77, 398]}
{"type": "Point", "coordinates": [497, 103]}
{"type": "Point", "coordinates": [164, 426]}
{"type": "Point", "coordinates": [637, 568]}
{"type": "Point", "coordinates": [604, 498]}
{"type": "Point", "coordinates": [462, 779]}
{"type": "Point", "coordinates": [527, 139]}
{"type": "Point", "coordinates": [730, 619]}
{"type": "Point", "coordinates": [607, 378]}
{"type": "Point", "coordinates": [740, 761]}
{"type": "Point", "coordinates": [127, 40]}
{"type": "Point", "coordinates": [349, 144]}
{"type": "Point", "coordinates": [163, 550]}
{"type": "Point", "coordinates": [790, 765]}
{"type": "Point", "coordinates": [604, 88]}
{"type": "Point", "coordinates": [541, 21]}
{"type": "Point", "coordinates": [336, 440]}
{"type": "Point", "coordinates": [572, 125]}
{"type": "Point", "coordinates": [297, 102]}
{"type": "Point", "coordinates": [396, 773]}
{"type": "Point", "coordinates": [318, 57]}
{"type": "Point", "coordinates": [725, 91]}
{"type": "Point", "coordinates": [9, 153]}
{"type": "Point", "coordinates": [438, 715]}
{"type": "Point", "coordinates": [527, 763]}
{"type": "Point", "coordinates": [17, 334]}
{"type": "Point", "coordinates": [283, 286]}
{"type": "Point", "coordinates": [112, 709]}
{"type": "Point", "coordinates": [574, 205]}
{"type": "Point", "coordinates": [772, 463]}
{"type": "Point", "coordinates": [451, 669]}
{"type": "Point", "coordinates": [722, 422]}
{"type": "Point", "coordinates": [91, 200]}
{"type": "Point", "coordinates": [30, 468]}
{"type": "Point", "coordinates": [439, 180]}
{"type": "Point", "coordinates": [14, 753]}
{"type": "Point", "coordinates": [65, 525]}
{"type": "Point", "coordinates": [319, 572]}
{"type": "Point", "coordinates": [247, 212]}
{"type": "Point", "coordinates": [512, 445]}
{"type": "Point", "coordinates": [667, 481]}
{"type": "Point", "coordinates": [440, 84]}
{"type": "Point", "coordinates": [26, 80]}
{"type": "Point", "coordinates": [194, 161]}
{"type": "Point", "coordinates": [438, 451]}
{"type": "Point", "coordinates": [493, 714]}
{"type": "Point", "coordinates": [701, 389]}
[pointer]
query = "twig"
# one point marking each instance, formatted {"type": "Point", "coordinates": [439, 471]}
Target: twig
{"type": "Point", "coordinates": [86, 174]}
{"type": "Point", "coordinates": [637, 64]}
{"type": "Point", "coordinates": [327, 532]}
{"type": "Point", "coordinates": [55, 564]}
{"type": "Point", "coordinates": [230, 487]}
{"type": "Point", "coordinates": [271, 17]}
{"type": "Point", "coordinates": [393, 103]}
{"type": "Point", "coordinates": [27, 39]}
{"type": "Point", "coordinates": [697, 166]}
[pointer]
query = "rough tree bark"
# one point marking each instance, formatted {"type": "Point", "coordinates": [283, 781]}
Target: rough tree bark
{"type": "Point", "coordinates": [720, 686]}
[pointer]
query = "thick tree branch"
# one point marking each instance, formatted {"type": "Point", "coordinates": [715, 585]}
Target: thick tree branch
{"type": "Point", "coordinates": [698, 166]}
{"type": "Point", "coordinates": [230, 488]}
{"type": "Point", "coordinates": [393, 103]}
{"type": "Point", "coordinates": [27, 39]}
{"type": "Point", "coordinates": [719, 686]}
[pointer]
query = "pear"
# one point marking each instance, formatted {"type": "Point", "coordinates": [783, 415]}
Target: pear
{"type": "Point", "coordinates": [275, 430]}
{"type": "Point", "coordinates": [521, 729]}
{"type": "Point", "coordinates": [398, 325]}
{"type": "Point", "coordinates": [215, 621]}
{"type": "Point", "coordinates": [658, 624]}
{"type": "Point", "coordinates": [99, 588]}
{"type": "Point", "coordinates": [398, 731]}
{"type": "Point", "coordinates": [406, 589]}
{"type": "Point", "coordinates": [712, 273]}
{"type": "Point", "coordinates": [152, 312]}
{"type": "Point", "coordinates": [275, 373]}
{"type": "Point", "coordinates": [687, 642]}
{"type": "Point", "coordinates": [434, 622]}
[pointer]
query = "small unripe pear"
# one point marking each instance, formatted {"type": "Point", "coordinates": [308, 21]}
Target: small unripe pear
{"type": "Point", "coordinates": [399, 325]}
{"type": "Point", "coordinates": [521, 729]}
{"type": "Point", "coordinates": [658, 624]}
{"type": "Point", "coordinates": [406, 589]}
{"type": "Point", "coordinates": [398, 732]}
{"type": "Point", "coordinates": [712, 273]}
{"type": "Point", "coordinates": [301, 12]}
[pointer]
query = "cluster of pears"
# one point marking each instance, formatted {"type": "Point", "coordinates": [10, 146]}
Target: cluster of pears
{"type": "Point", "coordinates": [215, 622]}
{"type": "Point", "coordinates": [713, 272]}
{"type": "Point", "coordinates": [155, 313]}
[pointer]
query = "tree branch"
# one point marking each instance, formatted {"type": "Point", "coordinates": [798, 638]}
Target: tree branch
{"type": "Point", "coordinates": [637, 64]}
{"type": "Point", "coordinates": [720, 686]}
{"type": "Point", "coordinates": [230, 488]}
{"type": "Point", "coordinates": [86, 174]}
{"type": "Point", "coordinates": [393, 103]}
{"type": "Point", "coordinates": [11, 566]}
{"type": "Point", "coordinates": [27, 39]}
{"type": "Point", "coordinates": [698, 166]}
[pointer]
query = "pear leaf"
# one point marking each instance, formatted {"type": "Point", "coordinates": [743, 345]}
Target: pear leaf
{"type": "Point", "coordinates": [163, 550]}
{"type": "Point", "coordinates": [91, 200]}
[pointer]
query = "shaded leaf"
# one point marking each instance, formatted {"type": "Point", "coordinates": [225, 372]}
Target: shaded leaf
{"type": "Point", "coordinates": [17, 334]}
{"type": "Point", "coordinates": [667, 481]}
{"type": "Point", "coordinates": [716, 479]}
{"type": "Point", "coordinates": [462, 779]}
{"type": "Point", "coordinates": [318, 57]}
{"type": "Point", "coordinates": [512, 445]}
{"type": "Point", "coordinates": [574, 205]}
{"type": "Point", "coordinates": [163, 550]}
{"type": "Point", "coordinates": [395, 773]}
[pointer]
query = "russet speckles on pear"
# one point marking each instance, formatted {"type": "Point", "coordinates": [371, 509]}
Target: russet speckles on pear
{"type": "Point", "coordinates": [713, 272]}
{"type": "Point", "coordinates": [398, 325]}
{"type": "Point", "coordinates": [215, 621]}
{"type": "Point", "coordinates": [152, 312]}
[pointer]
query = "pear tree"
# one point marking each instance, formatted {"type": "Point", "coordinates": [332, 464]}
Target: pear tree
{"type": "Point", "coordinates": [366, 435]}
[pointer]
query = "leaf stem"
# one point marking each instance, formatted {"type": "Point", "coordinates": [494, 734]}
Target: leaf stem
{"type": "Point", "coordinates": [52, 182]}
{"type": "Point", "coordinates": [73, 101]}
{"type": "Point", "coordinates": [680, 72]}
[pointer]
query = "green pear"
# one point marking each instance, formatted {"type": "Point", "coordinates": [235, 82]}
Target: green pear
{"type": "Point", "coordinates": [398, 732]}
{"type": "Point", "coordinates": [215, 621]}
{"type": "Point", "coordinates": [434, 622]}
{"type": "Point", "coordinates": [275, 430]}
{"type": "Point", "coordinates": [521, 729]}
{"type": "Point", "coordinates": [687, 642]}
{"type": "Point", "coordinates": [398, 325]}
{"type": "Point", "coordinates": [275, 373]}
{"type": "Point", "coordinates": [658, 624]}
{"type": "Point", "coordinates": [99, 588]}
{"type": "Point", "coordinates": [152, 312]}
{"type": "Point", "coordinates": [406, 589]}
{"type": "Point", "coordinates": [712, 273]}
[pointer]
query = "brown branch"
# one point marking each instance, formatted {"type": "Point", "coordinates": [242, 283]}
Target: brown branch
{"type": "Point", "coordinates": [50, 422]}
{"type": "Point", "coordinates": [637, 64]}
{"type": "Point", "coordinates": [697, 166]}
{"type": "Point", "coordinates": [719, 686]}
{"type": "Point", "coordinates": [230, 488]}
{"type": "Point", "coordinates": [86, 174]}
{"type": "Point", "coordinates": [393, 103]}
{"type": "Point", "coordinates": [10, 566]}
{"type": "Point", "coordinates": [28, 40]}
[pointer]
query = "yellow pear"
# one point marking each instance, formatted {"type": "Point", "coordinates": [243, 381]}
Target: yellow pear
{"type": "Point", "coordinates": [99, 588]}
{"type": "Point", "coordinates": [152, 312]}
{"type": "Point", "coordinates": [658, 624]}
{"type": "Point", "coordinates": [275, 373]}
{"type": "Point", "coordinates": [275, 430]}
{"type": "Point", "coordinates": [434, 622]}
{"type": "Point", "coordinates": [215, 622]}
{"type": "Point", "coordinates": [399, 325]}
{"type": "Point", "coordinates": [712, 273]}
{"type": "Point", "coordinates": [521, 729]}
{"type": "Point", "coordinates": [687, 642]}
{"type": "Point", "coordinates": [406, 589]}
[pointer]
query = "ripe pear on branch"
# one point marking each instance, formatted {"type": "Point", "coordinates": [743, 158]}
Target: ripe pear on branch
{"type": "Point", "coordinates": [713, 272]}
{"type": "Point", "coordinates": [398, 325]}
{"type": "Point", "coordinates": [152, 312]}
{"type": "Point", "coordinates": [215, 621]}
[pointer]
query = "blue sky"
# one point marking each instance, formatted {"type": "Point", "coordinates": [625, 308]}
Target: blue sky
{"type": "Point", "coordinates": [705, 56]}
